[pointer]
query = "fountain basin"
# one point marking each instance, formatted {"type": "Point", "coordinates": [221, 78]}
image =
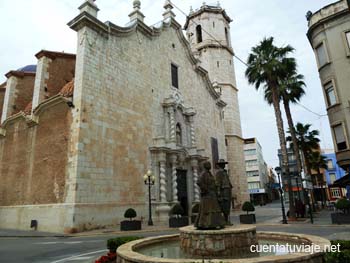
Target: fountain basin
{"type": "Point", "coordinates": [234, 241]}
{"type": "Point", "coordinates": [131, 252]}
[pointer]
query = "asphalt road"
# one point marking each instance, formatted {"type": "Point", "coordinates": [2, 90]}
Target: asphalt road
{"type": "Point", "coordinates": [55, 249]}
{"type": "Point", "coordinates": [86, 249]}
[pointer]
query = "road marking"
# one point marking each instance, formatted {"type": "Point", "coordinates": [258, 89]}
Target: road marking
{"type": "Point", "coordinates": [67, 242]}
{"type": "Point", "coordinates": [78, 256]}
{"type": "Point", "coordinates": [46, 243]}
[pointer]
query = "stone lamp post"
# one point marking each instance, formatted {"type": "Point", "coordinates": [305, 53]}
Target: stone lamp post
{"type": "Point", "coordinates": [149, 180]}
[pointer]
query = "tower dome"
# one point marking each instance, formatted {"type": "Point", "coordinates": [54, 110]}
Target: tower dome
{"type": "Point", "coordinates": [28, 68]}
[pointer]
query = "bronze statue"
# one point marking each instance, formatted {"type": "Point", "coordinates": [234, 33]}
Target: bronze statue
{"type": "Point", "coordinates": [224, 188]}
{"type": "Point", "coordinates": [210, 214]}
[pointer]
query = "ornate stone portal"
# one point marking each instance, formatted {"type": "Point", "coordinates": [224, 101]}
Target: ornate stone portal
{"type": "Point", "coordinates": [174, 153]}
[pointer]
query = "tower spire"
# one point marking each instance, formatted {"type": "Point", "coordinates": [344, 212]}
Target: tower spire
{"type": "Point", "coordinates": [168, 10]}
{"type": "Point", "coordinates": [136, 14]}
{"type": "Point", "coordinates": [89, 7]}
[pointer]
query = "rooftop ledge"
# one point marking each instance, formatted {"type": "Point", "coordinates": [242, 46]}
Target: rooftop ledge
{"type": "Point", "coordinates": [329, 11]}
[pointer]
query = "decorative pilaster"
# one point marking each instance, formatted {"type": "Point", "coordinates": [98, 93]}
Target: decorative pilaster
{"type": "Point", "coordinates": [192, 132]}
{"type": "Point", "coordinates": [172, 125]}
{"type": "Point", "coordinates": [173, 160]}
{"type": "Point", "coordinates": [162, 181]}
{"type": "Point", "coordinates": [194, 164]}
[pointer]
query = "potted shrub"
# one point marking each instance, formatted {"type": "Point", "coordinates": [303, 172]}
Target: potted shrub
{"type": "Point", "coordinates": [112, 245]}
{"type": "Point", "coordinates": [177, 218]}
{"type": "Point", "coordinates": [343, 217]}
{"type": "Point", "coordinates": [130, 224]}
{"type": "Point", "coordinates": [248, 218]}
{"type": "Point", "coordinates": [195, 211]}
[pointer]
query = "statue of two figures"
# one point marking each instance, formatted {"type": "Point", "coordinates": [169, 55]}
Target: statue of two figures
{"type": "Point", "coordinates": [216, 195]}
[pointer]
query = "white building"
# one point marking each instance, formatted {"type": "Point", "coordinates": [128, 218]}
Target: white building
{"type": "Point", "coordinates": [256, 171]}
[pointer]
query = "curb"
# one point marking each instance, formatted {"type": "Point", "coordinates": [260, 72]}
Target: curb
{"type": "Point", "coordinates": [88, 234]}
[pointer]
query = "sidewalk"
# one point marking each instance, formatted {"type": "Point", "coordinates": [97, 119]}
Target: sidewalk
{"type": "Point", "coordinates": [97, 232]}
{"type": "Point", "coordinates": [268, 215]}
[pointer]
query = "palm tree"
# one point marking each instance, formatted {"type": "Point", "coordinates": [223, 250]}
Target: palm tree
{"type": "Point", "coordinates": [266, 66]}
{"type": "Point", "coordinates": [291, 90]}
{"type": "Point", "coordinates": [307, 141]}
{"type": "Point", "coordinates": [317, 162]}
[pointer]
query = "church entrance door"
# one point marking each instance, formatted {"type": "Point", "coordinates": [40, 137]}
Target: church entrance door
{"type": "Point", "coordinates": [182, 189]}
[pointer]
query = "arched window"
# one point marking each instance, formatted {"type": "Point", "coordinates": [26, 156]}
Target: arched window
{"type": "Point", "coordinates": [227, 37]}
{"type": "Point", "coordinates": [199, 33]}
{"type": "Point", "coordinates": [178, 134]}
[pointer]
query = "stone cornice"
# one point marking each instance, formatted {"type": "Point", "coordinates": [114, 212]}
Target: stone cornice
{"type": "Point", "coordinates": [207, 9]}
{"type": "Point", "coordinates": [13, 118]}
{"type": "Point", "coordinates": [19, 74]}
{"type": "Point", "coordinates": [52, 101]}
{"type": "Point", "coordinates": [86, 19]}
{"type": "Point", "coordinates": [318, 18]}
{"type": "Point", "coordinates": [108, 28]}
{"type": "Point", "coordinates": [228, 84]}
{"type": "Point", "coordinates": [234, 135]}
{"type": "Point", "coordinates": [34, 119]}
{"type": "Point", "coordinates": [53, 54]}
{"type": "Point", "coordinates": [216, 45]}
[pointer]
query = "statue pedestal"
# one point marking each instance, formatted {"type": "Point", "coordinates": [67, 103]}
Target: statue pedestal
{"type": "Point", "coordinates": [232, 241]}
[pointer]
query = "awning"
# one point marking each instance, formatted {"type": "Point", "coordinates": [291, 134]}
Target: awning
{"type": "Point", "coordinates": [342, 182]}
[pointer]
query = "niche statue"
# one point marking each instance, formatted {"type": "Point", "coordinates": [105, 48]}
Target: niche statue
{"type": "Point", "coordinates": [210, 215]}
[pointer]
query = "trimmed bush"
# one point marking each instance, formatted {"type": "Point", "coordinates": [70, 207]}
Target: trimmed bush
{"type": "Point", "coordinates": [339, 257]}
{"type": "Point", "coordinates": [248, 207]}
{"type": "Point", "coordinates": [114, 243]}
{"type": "Point", "coordinates": [195, 209]}
{"type": "Point", "coordinates": [130, 213]}
{"type": "Point", "coordinates": [343, 204]}
{"type": "Point", "coordinates": [177, 210]}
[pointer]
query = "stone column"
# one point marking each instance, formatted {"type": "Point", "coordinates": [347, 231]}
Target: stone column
{"type": "Point", "coordinates": [172, 125]}
{"type": "Point", "coordinates": [194, 164]}
{"type": "Point", "coordinates": [162, 181]}
{"type": "Point", "coordinates": [9, 100]}
{"type": "Point", "coordinates": [192, 132]}
{"type": "Point", "coordinates": [173, 160]}
{"type": "Point", "coordinates": [42, 75]}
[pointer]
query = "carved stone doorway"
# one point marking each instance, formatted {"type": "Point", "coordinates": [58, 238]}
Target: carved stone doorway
{"type": "Point", "coordinates": [182, 193]}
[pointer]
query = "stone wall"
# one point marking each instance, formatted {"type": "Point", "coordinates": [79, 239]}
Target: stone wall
{"type": "Point", "coordinates": [60, 72]}
{"type": "Point", "coordinates": [33, 159]}
{"type": "Point", "coordinates": [24, 92]}
{"type": "Point", "coordinates": [2, 95]}
{"type": "Point", "coordinates": [120, 84]}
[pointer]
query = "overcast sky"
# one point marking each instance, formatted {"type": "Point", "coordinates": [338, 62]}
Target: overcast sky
{"type": "Point", "coordinates": [29, 26]}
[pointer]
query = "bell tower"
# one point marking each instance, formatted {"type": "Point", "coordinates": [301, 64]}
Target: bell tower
{"type": "Point", "coordinates": [208, 32]}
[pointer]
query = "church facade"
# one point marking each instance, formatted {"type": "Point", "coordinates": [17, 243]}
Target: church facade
{"type": "Point", "coordinates": [79, 132]}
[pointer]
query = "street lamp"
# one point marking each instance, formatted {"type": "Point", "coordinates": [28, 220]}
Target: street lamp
{"type": "Point", "coordinates": [149, 180]}
{"type": "Point", "coordinates": [284, 218]}
{"type": "Point", "coordinates": [308, 202]}
{"type": "Point", "coordinates": [297, 182]}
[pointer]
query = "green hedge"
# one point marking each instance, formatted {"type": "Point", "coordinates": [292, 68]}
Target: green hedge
{"type": "Point", "coordinates": [114, 243]}
{"type": "Point", "coordinates": [339, 257]}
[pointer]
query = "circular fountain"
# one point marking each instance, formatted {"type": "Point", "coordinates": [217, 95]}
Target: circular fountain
{"type": "Point", "coordinates": [231, 245]}
{"type": "Point", "coordinates": [228, 242]}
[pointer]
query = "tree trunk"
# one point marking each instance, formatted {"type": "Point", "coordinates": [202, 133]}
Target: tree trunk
{"type": "Point", "coordinates": [283, 145]}
{"type": "Point", "coordinates": [293, 135]}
